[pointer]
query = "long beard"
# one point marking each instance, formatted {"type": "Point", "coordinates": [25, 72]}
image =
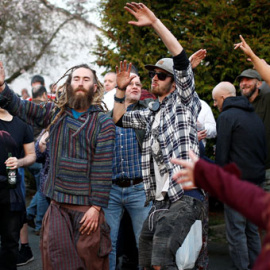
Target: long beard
{"type": "Point", "coordinates": [80, 102]}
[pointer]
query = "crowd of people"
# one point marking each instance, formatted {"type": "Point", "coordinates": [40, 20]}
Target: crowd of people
{"type": "Point", "coordinates": [107, 158]}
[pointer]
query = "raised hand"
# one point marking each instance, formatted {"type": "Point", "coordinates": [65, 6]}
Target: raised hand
{"type": "Point", "coordinates": [186, 175]}
{"type": "Point", "coordinates": [142, 13]}
{"type": "Point", "coordinates": [123, 77]}
{"type": "Point", "coordinates": [259, 64]}
{"type": "Point", "coordinates": [196, 58]}
{"type": "Point", "coordinates": [145, 17]}
{"type": "Point", "coordinates": [2, 77]}
{"type": "Point", "coordinates": [244, 47]}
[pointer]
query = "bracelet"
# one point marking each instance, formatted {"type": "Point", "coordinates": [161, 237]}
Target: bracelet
{"type": "Point", "coordinates": [119, 100]}
{"type": "Point", "coordinates": [117, 87]}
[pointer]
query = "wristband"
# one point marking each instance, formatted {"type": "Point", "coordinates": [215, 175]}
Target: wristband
{"type": "Point", "coordinates": [117, 87]}
{"type": "Point", "coordinates": [119, 100]}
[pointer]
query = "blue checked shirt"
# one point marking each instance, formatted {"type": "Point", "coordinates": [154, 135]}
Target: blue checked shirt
{"type": "Point", "coordinates": [177, 130]}
{"type": "Point", "coordinates": [127, 158]}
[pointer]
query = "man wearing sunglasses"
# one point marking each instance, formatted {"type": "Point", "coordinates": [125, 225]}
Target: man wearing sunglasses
{"type": "Point", "coordinates": [170, 126]}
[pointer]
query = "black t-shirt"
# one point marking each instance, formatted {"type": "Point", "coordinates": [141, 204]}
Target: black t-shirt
{"type": "Point", "coordinates": [13, 135]}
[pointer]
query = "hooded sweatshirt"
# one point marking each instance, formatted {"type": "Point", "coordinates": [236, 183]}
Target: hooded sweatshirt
{"type": "Point", "coordinates": [241, 139]}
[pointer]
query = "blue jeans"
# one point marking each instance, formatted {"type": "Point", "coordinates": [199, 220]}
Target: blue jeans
{"type": "Point", "coordinates": [243, 238]}
{"type": "Point", "coordinates": [37, 208]}
{"type": "Point", "coordinates": [132, 199]}
{"type": "Point", "coordinates": [39, 204]}
{"type": "Point", "coordinates": [21, 173]}
{"type": "Point", "coordinates": [34, 169]}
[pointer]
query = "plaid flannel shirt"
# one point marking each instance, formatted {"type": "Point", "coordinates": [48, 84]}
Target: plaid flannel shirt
{"type": "Point", "coordinates": [177, 131]}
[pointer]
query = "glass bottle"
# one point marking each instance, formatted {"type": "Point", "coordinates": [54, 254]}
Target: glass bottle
{"type": "Point", "coordinates": [11, 175]}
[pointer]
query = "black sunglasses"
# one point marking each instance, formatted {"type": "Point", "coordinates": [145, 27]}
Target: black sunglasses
{"type": "Point", "coordinates": [161, 75]}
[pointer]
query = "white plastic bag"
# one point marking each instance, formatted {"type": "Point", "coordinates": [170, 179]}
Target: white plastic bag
{"type": "Point", "coordinates": [188, 253]}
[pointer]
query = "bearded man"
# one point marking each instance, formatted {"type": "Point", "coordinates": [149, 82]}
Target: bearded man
{"type": "Point", "coordinates": [74, 232]}
{"type": "Point", "coordinates": [250, 83]}
{"type": "Point", "coordinates": [170, 131]}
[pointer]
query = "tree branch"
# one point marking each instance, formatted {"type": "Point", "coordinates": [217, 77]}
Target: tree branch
{"type": "Point", "coordinates": [27, 67]}
{"type": "Point", "coordinates": [70, 15]}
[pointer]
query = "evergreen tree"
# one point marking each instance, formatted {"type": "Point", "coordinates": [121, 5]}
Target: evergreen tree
{"type": "Point", "coordinates": [210, 24]}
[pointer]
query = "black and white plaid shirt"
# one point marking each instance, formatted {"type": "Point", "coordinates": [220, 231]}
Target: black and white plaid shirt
{"type": "Point", "coordinates": [177, 130]}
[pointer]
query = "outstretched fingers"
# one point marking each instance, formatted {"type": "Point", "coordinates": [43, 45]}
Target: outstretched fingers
{"type": "Point", "coordinates": [132, 8]}
{"type": "Point", "coordinates": [242, 39]}
{"type": "Point", "coordinates": [122, 67]}
{"type": "Point", "coordinates": [123, 74]}
{"type": "Point", "coordinates": [237, 45]}
{"type": "Point", "coordinates": [185, 176]}
{"type": "Point", "coordinates": [240, 44]}
{"type": "Point", "coordinates": [144, 16]}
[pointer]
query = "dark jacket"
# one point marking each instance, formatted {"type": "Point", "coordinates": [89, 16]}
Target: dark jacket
{"type": "Point", "coordinates": [241, 139]}
{"type": "Point", "coordinates": [261, 105]}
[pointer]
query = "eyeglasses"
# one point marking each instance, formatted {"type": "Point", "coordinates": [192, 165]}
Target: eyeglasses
{"type": "Point", "coordinates": [161, 75]}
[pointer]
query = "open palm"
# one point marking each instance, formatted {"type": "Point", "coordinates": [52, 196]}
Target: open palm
{"type": "Point", "coordinates": [123, 74]}
{"type": "Point", "coordinates": [142, 13]}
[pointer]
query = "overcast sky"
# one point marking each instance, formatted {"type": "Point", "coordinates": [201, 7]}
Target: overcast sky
{"type": "Point", "coordinates": [56, 72]}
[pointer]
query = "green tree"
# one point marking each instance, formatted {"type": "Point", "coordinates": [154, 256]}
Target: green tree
{"type": "Point", "coordinates": [210, 24]}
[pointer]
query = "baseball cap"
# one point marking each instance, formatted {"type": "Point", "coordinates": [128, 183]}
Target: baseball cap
{"type": "Point", "coordinates": [164, 63]}
{"type": "Point", "coordinates": [249, 73]}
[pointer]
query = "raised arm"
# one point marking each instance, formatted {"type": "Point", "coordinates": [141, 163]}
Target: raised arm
{"type": "Point", "coordinates": [259, 64]}
{"type": "Point", "coordinates": [29, 112]}
{"type": "Point", "coordinates": [123, 78]}
{"type": "Point", "coordinates": [196, 58]}
{"type": "Point", "coordinates": [2, 77]}
{"type": "Point", "coordinates": [145, 17]}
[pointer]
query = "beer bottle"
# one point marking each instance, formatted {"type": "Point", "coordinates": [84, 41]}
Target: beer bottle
{"type": "Point", "coordinates": [11, 175]}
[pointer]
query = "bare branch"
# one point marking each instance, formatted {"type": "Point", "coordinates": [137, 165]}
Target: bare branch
{"type": "Point", "coordinates": [70, 15]}
{"type": "Point", "coordinates": [27, 67]}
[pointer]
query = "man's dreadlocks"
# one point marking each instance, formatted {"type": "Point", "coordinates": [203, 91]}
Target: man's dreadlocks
{"type": "Point", "coordinates": [62, 101]}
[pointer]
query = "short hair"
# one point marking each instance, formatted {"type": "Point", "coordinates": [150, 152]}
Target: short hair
{"type": "Point", "coordinates": [38, 78]}
{"type": "Point", "coordinates": [134, 70]}
{"type": "Point", "coordinates": [38, 91]}
{"type": "Point", "coordinates": [110, 72]}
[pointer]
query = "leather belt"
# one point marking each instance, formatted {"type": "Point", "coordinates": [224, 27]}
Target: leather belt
{"type": "Point", "coordinates": [127, 182]}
